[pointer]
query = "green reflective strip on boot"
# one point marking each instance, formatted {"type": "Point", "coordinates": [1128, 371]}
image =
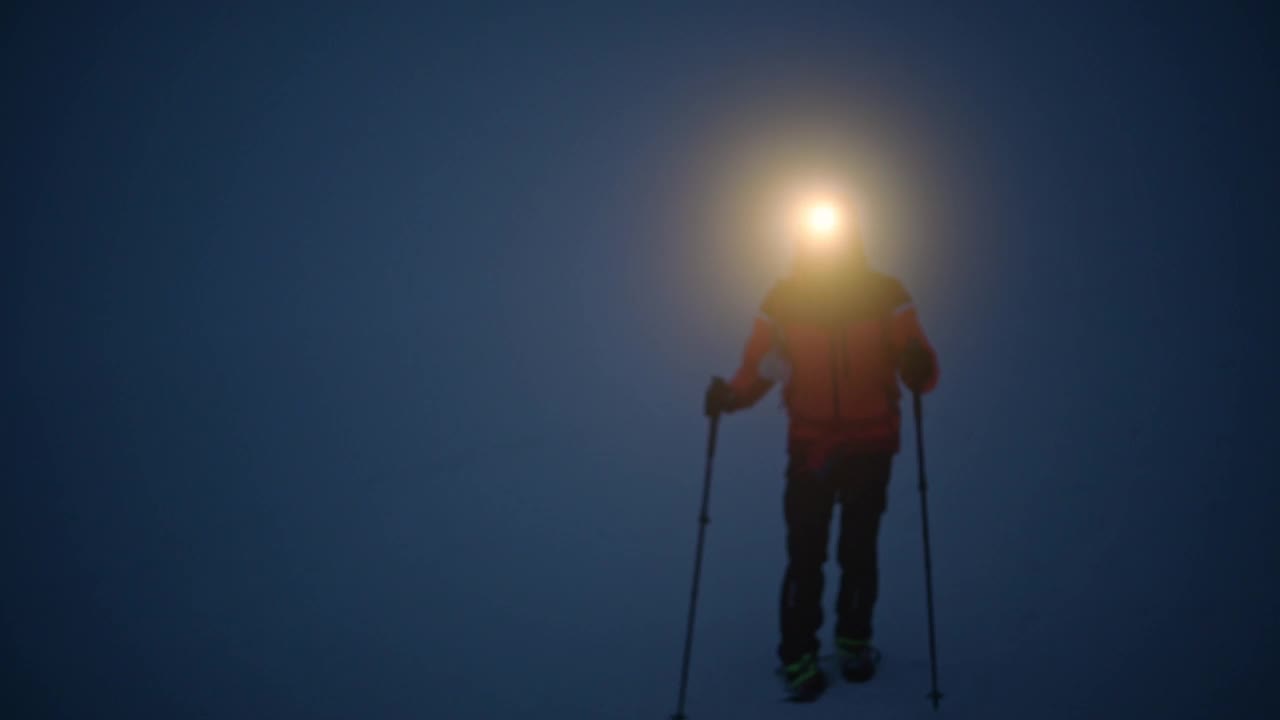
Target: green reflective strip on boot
{"type": "Point", "coordinates": [848, 645]}
{"type": "Point", "coordinates": [803, 677]}
{"type": "Point", "coordinates": [801, 671]}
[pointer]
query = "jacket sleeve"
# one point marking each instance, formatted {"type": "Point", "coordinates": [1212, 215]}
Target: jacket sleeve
{"type": "Point", "coordinates": [750, 383]}
{"type": "Point", "coordinates": [905, 330]}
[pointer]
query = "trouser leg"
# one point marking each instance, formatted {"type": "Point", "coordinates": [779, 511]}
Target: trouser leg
{"type": "Point", "coordinates": [807, 506]}
{"type": "Point", "coordinates": [863, 485]}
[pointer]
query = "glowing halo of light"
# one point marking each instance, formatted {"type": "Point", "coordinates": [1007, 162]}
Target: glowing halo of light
{"type": "Point", "coordinates": [822, 219]}
{"type": "Point", "coordinates": [748, 176]}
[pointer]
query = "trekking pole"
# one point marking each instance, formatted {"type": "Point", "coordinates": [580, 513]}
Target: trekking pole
{"type": "Point", "coordinates": [933, 695]}
{"type": "Point", "coordinates": [703, 520]}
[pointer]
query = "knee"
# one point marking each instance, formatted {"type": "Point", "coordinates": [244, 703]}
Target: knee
{"type": "Point", "coordinates": [806, 550]}
{"type": "Point", "coordinates": [808, 538]}
{"type": "Point", "coordinates": [860, 553]}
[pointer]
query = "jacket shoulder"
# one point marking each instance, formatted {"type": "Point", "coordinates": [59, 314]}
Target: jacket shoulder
{"type": "Point", "coordinates": [889, 290]}
{"type": "Point", "coordinates": [876, 294]}
{"type": "Point", "coordinates": [778, 299]}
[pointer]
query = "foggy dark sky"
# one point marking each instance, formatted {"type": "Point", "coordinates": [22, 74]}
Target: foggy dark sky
{"type": "Point", "coordinates": [354, 355]}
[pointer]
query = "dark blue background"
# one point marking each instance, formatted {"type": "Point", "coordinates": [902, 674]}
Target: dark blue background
{"type": "Point", "coordinates": [354, 356]}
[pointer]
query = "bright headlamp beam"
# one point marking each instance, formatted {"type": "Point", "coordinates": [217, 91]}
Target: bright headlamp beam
{"type": "Point", "coordinates": [822, 221]}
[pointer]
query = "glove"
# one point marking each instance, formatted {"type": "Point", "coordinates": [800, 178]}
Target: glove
{"type": "Point", "coordinates": [917, 367]}
{"type": "Point", "coordinates": [719, 397]}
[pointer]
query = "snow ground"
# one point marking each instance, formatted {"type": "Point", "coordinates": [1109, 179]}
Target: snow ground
{"type": "Point", "coordinates": [561, 593]}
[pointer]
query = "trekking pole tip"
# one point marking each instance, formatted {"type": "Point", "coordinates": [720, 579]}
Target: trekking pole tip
{"type": "Point", "coordinates": [935, 697]}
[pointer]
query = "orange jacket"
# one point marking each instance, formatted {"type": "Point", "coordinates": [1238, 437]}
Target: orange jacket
{"type": "Point", "coordinates": [837, 345]}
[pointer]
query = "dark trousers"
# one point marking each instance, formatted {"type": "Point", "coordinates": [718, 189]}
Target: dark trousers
{"type": "Point", "coordinates": [859, 483]}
